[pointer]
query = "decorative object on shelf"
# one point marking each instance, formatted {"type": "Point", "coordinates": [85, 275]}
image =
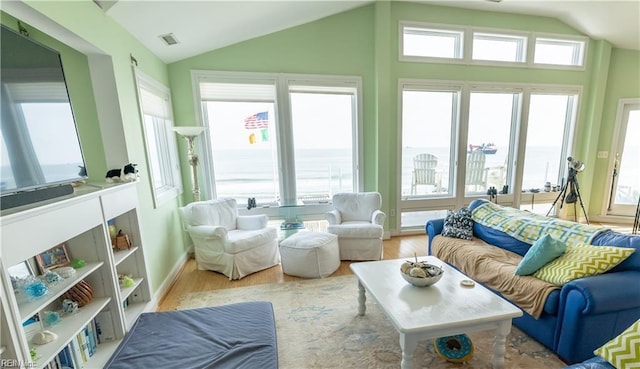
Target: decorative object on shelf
{"type": "Point", "coordinates": [190, 134]}
{"type": "Point", "coordinates": [35, 289]}
{"type": "Point", "coordinates": [51, 277]}
{"type": "Point", "coordinates": [69, 306]}
{"type": "Point", "coordinates": [420, 274]}
{"type": "Point", "coordinates": [456, 349]}
{"type": "Point", "coordinates": [53, 258]}
{"type": "Point", "coordinates": [113, 231]}
{"type": "Point", "coordinates": [128, 173]}
{"type": "Point", "coordinates": [122, 241]}
{"type": "Point", "coordinates": [66, 272]}
{"type": "Point", "coordinates": [44, 337]}
{"type": "Point", "coordinates": [125, 280]}
{"type": "Point", "coordinates": [51, 318]}
{"type": "Point", "coordinates": [82, 293]}
{"type": "Point", "coordinates": [78, 263]}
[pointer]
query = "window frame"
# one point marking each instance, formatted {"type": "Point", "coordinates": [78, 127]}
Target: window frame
{"type": "Point", "coordinates": [171, 174]}
{"type": "Point", "coordinates": [521, 40]}
{"type": "Point", "coordinates": [579, 57]}
{"type": "Point", "coordinates": [285, 145]}
{"type": "Point", "coordinates": [433, 29]}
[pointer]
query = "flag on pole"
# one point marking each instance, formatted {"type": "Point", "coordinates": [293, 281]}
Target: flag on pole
{"type": "Point", "coordinates": [258, 120]}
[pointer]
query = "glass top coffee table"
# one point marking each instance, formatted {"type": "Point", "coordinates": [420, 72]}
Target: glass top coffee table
{"type": "Point", "coordinates": [444, 309]}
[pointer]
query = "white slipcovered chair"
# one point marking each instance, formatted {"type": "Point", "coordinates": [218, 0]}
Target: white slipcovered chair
{"type": "Point", "coordinates": [226, 242]}
{"type": "Point", "coordinates": [357, 220]}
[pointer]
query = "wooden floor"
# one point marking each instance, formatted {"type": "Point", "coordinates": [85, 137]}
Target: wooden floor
{"type": "Point", "coordinates": [191, 279]}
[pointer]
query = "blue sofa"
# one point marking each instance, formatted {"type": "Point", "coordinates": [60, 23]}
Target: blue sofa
{"type": "Point", "coordinates": [585, 313]}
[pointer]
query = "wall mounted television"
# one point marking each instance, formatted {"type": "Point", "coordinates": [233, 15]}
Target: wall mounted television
{"type": "Point", "coordinates": [40, 152]}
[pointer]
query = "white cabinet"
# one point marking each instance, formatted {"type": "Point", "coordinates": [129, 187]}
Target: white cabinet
{"type": "Point", "coordinates": [81, 223]}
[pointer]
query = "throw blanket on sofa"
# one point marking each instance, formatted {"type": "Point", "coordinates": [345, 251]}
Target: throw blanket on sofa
{"type": "Point", "coordinates": [495, 268]}
{"type": "Point", "coordinates": [528, 227]}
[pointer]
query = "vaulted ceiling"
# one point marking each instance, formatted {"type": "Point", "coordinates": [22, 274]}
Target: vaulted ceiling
{"type": "Point", "coordinates": [201, 26]}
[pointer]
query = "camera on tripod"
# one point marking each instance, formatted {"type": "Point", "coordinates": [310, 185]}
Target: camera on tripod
{"type": "Point", "coordinates": [572, 196]}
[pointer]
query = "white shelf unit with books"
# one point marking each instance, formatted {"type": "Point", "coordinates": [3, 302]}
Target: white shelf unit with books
{"type": "Point", "coordinates": [79, 221]}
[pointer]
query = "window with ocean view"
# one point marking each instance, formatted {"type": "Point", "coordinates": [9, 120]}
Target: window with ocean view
{"type": "Point", "coordinates": [296, 151]}
{"type": "Point", "coordinates": [460, 139]}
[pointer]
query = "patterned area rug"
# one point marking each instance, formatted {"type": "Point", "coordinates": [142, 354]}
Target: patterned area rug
{"type": "Point", "coordinates": [318, 327]}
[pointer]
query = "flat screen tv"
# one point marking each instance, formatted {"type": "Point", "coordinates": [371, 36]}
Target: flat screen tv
{"type": "Point", "coordinates": [40, 153]}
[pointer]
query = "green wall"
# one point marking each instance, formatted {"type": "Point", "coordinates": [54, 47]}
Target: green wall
{"type": "Point", "coordinates": [623, 82]}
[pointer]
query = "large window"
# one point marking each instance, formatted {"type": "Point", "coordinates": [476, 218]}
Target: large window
{"type": "Point", "coordinates": [492, 116]}
{"type": "Point", "coordinates": [551, 117]}
{"type": "Point", "coordinates": [281, 139]}
{"type": "Point", "coordinates": [160, 140]}
{"type": "Point", "coordinates": [428, 122]}
{"type": "Point", "coordinates": [459, 140]}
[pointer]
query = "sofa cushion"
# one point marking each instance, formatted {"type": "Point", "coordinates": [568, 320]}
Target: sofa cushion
{"type": "Point", "coordinates": [582, 260]}
{"type": "Point", "coordinates": [544, 250]}
{"type": "Point", "coordinates": [458, 224]}
{"type": "Point", "coordinates": [624, 350]}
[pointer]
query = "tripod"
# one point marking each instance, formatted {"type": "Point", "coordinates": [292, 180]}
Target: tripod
{"type": "Point", "coordinates": [572, 197]}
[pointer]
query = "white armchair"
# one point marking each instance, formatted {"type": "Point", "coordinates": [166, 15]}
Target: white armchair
{"type": "Point", "coordinates": [226, 242]}
{"type": "Point", "coordinates": [358, 222]}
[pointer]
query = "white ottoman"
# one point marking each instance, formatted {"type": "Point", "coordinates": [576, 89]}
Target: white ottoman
{"type": "Point", "coordinates": [310, 254]}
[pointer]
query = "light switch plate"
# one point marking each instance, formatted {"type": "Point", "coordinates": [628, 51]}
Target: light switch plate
{"type": "Point", "coordinates": [603, 154]}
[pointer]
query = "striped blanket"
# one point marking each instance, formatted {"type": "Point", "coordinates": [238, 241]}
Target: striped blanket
{"type": "Point", "coordinates": [528, 227]}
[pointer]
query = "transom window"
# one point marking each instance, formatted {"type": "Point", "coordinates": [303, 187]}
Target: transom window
{"type": "Point", "coordinates": [424, 42]}
{"type": "Point", "coordinates": [499, 47]}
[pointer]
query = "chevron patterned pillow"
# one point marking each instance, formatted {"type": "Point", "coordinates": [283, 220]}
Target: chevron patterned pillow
{"type": "Point", "coordinates": [623, 352]}
{"type": "Point", "coordinates": [582, 260]}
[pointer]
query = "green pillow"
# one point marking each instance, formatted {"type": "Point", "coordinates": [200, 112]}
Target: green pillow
{"type": "Point", "coordinates": [623, 352]}
{"type": "Point", "coordinates": [544, 250]}
{"type": "Point", "coordinates": [582, 260]}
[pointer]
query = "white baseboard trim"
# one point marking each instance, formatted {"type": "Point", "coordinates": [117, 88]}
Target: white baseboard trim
{"type": "Point", "coordinates": [168, 281]}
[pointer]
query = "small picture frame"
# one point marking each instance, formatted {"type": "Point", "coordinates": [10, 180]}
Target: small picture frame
{"type": "Point", "coordinates": [53, 258]}
{"type": "Point", "coordinates": [21, 270]}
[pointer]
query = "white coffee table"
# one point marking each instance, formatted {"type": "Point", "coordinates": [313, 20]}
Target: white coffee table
{"type": "Point", "coordinates": [443, 309]}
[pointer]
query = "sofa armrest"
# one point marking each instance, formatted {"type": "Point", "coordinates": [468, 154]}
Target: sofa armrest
{"type": "Point", "coordinates": [378, 217]}
{"type": "Point", "coordinates": [594, 310]}
{"type": "Point", "coordinates": [434, 227]}
{"type": "Point", "coordinates": [605, 292]}
{"type": "Point", "coordinates": [251, 222]}
{"type": "Point", "coordinates": [333, 217]}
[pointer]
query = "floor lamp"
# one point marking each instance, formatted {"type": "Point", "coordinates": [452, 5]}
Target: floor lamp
{"type": "Point", "coordinates": [190, 134]}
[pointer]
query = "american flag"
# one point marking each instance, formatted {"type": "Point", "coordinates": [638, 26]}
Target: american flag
{"type": "Point", "coordinates": [258, 120]}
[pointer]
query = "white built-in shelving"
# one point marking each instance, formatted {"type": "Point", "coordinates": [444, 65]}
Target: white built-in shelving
{"type": "Point", "coordinates": [80, 221]}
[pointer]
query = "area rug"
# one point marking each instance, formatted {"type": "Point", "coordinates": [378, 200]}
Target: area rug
{"type": "Point", "coordinates": [318, 328]}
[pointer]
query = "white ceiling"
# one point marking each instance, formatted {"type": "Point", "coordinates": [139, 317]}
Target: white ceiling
{"type": "Point", "coordinates": [201, 26]}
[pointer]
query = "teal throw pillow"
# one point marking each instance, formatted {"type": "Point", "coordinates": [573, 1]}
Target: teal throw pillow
{"type": "Point", "coordinates": [543, 251]}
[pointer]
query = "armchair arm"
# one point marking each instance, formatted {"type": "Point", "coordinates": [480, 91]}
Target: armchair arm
{"type": "Point", "coordinates": [333, 217]}
{"type": "Point", "coordinates": [207, 232]}
{"type": "Point", "coordinates": [378, 217]}
{"type": "Point", "coordinates": [250, 222]}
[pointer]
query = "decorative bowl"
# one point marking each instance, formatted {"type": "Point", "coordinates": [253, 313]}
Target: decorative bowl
{"type": "Point", "coordinates": [429, 274]}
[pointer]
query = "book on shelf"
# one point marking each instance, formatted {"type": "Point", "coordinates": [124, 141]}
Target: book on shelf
{"type": "Point", "coordinates": [66, 358]}
{"type": "Point", "coordinates": [76, 353]}
{"type": "Point", "coordinates": [84, 348]}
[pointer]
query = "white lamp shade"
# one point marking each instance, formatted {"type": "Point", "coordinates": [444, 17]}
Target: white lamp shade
{"type": "Point", "coordinates": [189, 131]}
